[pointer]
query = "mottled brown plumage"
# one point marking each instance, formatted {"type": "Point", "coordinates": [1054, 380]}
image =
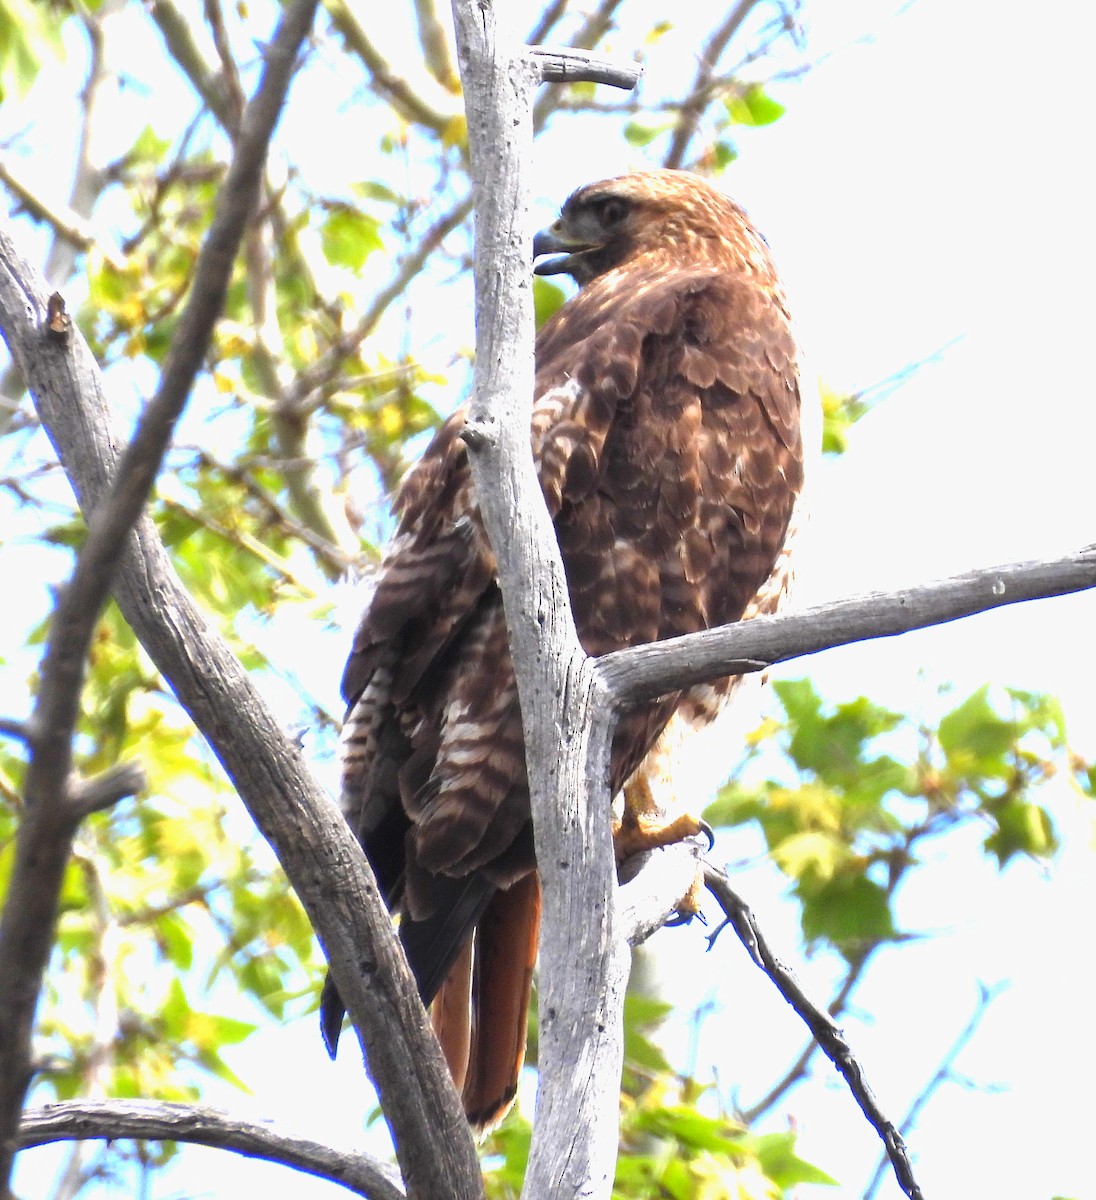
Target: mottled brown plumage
{"type": "Point", "coordinates": [666, 434]}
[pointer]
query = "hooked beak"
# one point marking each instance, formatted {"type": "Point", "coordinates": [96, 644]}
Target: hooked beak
{"type": "Point", "coordinates": [556, 253]}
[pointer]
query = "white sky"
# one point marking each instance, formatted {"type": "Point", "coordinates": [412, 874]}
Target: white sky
{"type": "Point", "coordinates": [930, 184]}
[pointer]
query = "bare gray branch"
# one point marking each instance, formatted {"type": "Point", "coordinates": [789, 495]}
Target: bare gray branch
{"type": "Point", "coordinates": [312, 841]}
{"type": "Point", "coordinates": [106, 789]}
{"type": "Point", "coordinates": [562, 64]}
{"type": "Point", "coordinates": [633, 676]}
{"type": "Point", "coordinates": [584, 957]}
{"type": "Point", "coordinates": [156, 1120]}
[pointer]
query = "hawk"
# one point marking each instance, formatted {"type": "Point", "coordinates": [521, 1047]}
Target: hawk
{"type": "Point", "coordinates": [666, 433]}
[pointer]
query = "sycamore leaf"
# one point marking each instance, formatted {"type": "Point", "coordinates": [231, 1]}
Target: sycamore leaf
{"type": "Point", "coordinates": [753, 107]}
{"type": "Point", "coordinates": [349, 237]}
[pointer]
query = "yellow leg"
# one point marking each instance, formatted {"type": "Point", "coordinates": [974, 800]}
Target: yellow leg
{"type": "Point", "coordinates": [645, 827]}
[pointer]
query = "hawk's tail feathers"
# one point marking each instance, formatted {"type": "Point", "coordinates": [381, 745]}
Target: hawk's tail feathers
{"type": "Point", "coordinates": [481, 1009]}
{"type": "Point", "coordinates": [505, 955]}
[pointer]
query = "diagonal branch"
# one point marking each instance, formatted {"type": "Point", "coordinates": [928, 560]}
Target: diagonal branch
{"type": "Point", "coordinates": [398, 92]}
{"type": "Point", "coordinates": [647, 672]}
{"type": "Point", "coordinates": [306, 392]}
{"type": "Point", "coordinates": [157, 1120]}
{"type": "Point", "coordinates": [941, 1075]}
{"type": "Point", "coordinates": [818, 1021]}
{"type": "Point", "coordinates": [175, 28]}
{"type": "Point", "coordinates": [692, 107]}
{"type": "Point", "coordinates": [51, 812]}
{"type": "Point", "coordinates": [313, 843]}
{"type": "Point", "coordinates": [67, 224]}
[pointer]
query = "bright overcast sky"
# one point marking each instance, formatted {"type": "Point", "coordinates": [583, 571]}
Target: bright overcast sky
{"type": "Point", "coordinates": [929, 186]}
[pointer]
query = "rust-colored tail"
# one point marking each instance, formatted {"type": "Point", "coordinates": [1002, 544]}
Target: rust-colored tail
{"type": "Point", "coordinates": [480, 1013]}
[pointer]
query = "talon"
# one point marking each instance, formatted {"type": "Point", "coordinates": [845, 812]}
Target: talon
{"type": "Point", "coordinates": [635, 834]}
{"type": "Point", "coordinates": [709, 833]}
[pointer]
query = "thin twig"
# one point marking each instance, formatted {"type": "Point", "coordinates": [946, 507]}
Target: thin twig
{"type": "Point", "coordinates": [333, 558]}
{"type": "Point", "coordinates": [817, 1020]}
{"type": "Point", "coordinates": [986, 997]}
{"type": "Point", "coordinates": [88, 178]}
{"type": "Point", "coordinates": [244, 541]}
{"type": "Point", "coordinates": [382, 78]}
{"type": "Point", "coordinates": [797, 1070]}
{"type": "Point", "coordinates": [176, 31]}
{"type": "Point", "coordinates": [230, 75]}
{"type": "Point", "coordinates": [104, 790]}
{"type": "Point", "coordinates": [587, 36]}
{"type": "Point", "coordinates": [98, 1057]}
{"type": "Point", "coordinates": [900, 860]}
{"type": "Point", "coordinates": [307, 390]}
{"type": "Point", "coordinates": [21, 731]}
{"type": "Point", "coordinates": [549, 19]}
{"type": "Point", "coordinates": [435, 46]}
{"type": "Point", "coordinates": [692, 107]}
{"type": "Point", "coordinates": [66, 223]}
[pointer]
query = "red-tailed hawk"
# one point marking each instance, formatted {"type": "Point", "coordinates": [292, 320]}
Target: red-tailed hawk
{"type": "Point", "coordinates": [666, 435]}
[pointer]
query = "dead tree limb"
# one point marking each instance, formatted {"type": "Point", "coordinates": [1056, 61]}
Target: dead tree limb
{"type": "Point", "coordinates": [818, 1021]}
{"type": "Point", "coordinates": [157, 1120]}
{"type": "Point", "coordinates": [646, 672]}
{"type": "Point", "coordinates": [310, 837]}
{"type": "Point", "coordinates": [584, 957]}
{"type": "Point", "coordinates": [52, 811]}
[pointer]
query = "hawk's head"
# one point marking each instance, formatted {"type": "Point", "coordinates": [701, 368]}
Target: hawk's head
{"type": "Point", "coordinates": [671, 214]}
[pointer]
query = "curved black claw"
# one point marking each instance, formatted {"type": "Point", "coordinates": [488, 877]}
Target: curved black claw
{"type": "Point", "coordinates": [684, 918]}
{"type": "Point", "coordinates": [709, 833]}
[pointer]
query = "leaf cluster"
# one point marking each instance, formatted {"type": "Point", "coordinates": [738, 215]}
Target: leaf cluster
{"type": "Point", "coordinates": [863, 789]}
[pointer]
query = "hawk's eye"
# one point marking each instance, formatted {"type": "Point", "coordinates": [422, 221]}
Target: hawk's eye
{"type": "Point", "coordinates": [611, 211]}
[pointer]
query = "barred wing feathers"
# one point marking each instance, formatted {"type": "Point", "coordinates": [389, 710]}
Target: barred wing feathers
{"type": "Point", "coordinates": [666, 435]}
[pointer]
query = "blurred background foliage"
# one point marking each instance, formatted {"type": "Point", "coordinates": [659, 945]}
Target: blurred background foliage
{"type": "Point", "coordinates": [347, 333]}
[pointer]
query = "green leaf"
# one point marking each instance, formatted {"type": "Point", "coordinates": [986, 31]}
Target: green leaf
{"type": "Point", "coordinates": [776, 1153]}
{"type": "Point", "coordinates": [641, 1015]}
{"type": "Point", "coordinates": [175, 1011]}
{"type": "Point", "coordinates": [850, 910]}
{"type": "Point", "coordinates": [149, 148]}
{"type": "Point", "coordinates": [976, 738]}
{"type": "Point", "coordinates": [692, 1130]}
{"type": "Point", "coordinates": [753, 107]}
{"type": "Point", "coordinates": [547, 299]}
{"type": "Point", "coordinates": [831, 744]}
{"type": "Point", "coordinates": [642, 133]}
{"type": "Point", "coordinates": [349, 236]}
{"type": "Point", "coordinates": [1022, 828]}
{"type": "Point", "coordinates": [721, 154]}
{"type": "Point", "coordinates": [372, 189]}
{"type": "Point", "coordinates": [176, 940]}
{"type": "Point", "coordinates": [27, 36]}
{"type": "Point", "coordinates": [840, 412]}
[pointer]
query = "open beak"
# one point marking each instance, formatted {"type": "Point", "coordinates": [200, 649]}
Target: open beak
{"type": "Point", "coordinates": [555, 253]}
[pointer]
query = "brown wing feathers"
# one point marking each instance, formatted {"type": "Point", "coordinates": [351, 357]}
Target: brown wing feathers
{"type": "Point", "coordinates": [666, 434]}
